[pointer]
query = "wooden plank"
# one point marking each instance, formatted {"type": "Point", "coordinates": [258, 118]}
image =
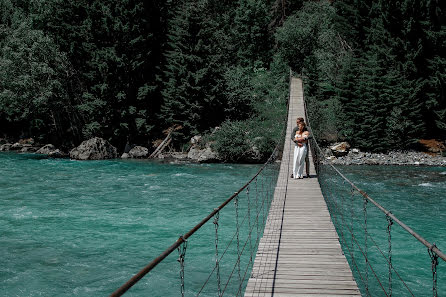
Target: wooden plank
{"type": "Point", "coordinates": [308, 259]}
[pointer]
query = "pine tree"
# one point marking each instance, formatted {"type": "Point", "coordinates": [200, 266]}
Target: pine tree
{"type": "Point", "coordinates": [192, 77]}
{"type": "Point", "coordinates": [250, 33]}
{"type": "Point", "coordinates": [434, 30]}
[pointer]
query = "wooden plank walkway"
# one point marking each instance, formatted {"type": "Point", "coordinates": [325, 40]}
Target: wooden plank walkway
{"type": "Point", "coordinates": [299, 253]}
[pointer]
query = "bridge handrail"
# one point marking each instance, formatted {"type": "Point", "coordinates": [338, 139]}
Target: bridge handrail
{"type": "Point", "coordinates": [182, 239]}
{"type": "Point", "coordinates": [430, 246]}
{"type": "Point", "coordinates": [426, 243]}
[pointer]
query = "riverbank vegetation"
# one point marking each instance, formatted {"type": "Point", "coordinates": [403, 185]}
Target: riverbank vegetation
{"type": "Point", "coordinates": [128, 70]}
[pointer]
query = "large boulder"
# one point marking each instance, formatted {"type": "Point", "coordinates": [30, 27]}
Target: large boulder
{"type": "Point", "coordinates": [195, 140]}
{"type": "Point", "coordinates": [51, 151]}
{"type": "Point", "coordinates": [57, 154]}
{"type": "Point", "coordinates": [202, 155]}
{"type": "Point", "coordinates": [16, 147]}
{"type": "Point", "coordinates": [340, 149]}
{"type": "Point", "coordinates": [94, 149]}
{"type": "Point", "coordinates": [5, 147]}
{"type": "Point", "coordinates": [138, 152]}
{"type": "Point", "coordinates": [46, 149]}
{"type": "Point", "coordinates": [28, 148]}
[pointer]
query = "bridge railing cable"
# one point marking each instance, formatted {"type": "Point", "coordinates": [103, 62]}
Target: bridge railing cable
{"type": "Point", "coordinates": [258, 194]}
{"type": "Point", "coordinates": [348, 218]}
{"type": "Point", "coordinates": [263, 182]}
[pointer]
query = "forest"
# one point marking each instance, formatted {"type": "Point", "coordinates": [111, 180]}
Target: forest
{"type": "Point", "coordinates": [126, 71]}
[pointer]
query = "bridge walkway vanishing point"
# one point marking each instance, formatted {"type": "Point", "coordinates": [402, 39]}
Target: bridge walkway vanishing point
{"type": "Point", "coordinates": [299, 253]}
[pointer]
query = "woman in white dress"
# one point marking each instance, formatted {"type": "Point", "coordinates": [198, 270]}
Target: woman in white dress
{"type": "Point", "coordinates": [300, 151]}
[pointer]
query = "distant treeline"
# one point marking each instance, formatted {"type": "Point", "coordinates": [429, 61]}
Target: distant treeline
{"type": "Point", "coordinates": [127, 70]}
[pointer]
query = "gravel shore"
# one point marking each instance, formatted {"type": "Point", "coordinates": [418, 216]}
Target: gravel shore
{"type": "Point", "coordinates": [391, 158]}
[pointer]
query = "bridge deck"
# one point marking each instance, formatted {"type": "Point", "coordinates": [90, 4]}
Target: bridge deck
{"type": "Point", "coordinates": [299, 253]}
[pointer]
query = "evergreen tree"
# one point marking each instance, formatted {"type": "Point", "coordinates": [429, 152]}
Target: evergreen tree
{"type": "Point", "coordinates": [250, 33]}
{"type": "Point", "coordinates": [116, 50]}
{"type": "Point", "coordinates": [192, 76]}
{"type": "Point", "coordinates": [434, 30]}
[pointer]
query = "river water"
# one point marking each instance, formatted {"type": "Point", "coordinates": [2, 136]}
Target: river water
{"type": "Point", "coordinates": [71, 228]}
{"type": "Point", "coordinates": [417, 197]}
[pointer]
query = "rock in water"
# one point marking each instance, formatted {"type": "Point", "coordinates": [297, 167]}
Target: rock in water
{"type": "Point", "coordinates": [138, 152]}
{"type": "Point", "coordinates": [57, 154]}
{"type": "Point", "coordinates": [49, 150]}
{"type": "Point", "coordinates": [5, 147]}
{"type": "Point", "coordinates": [94, 149]}
{"type": "Point", "coordinates": [27, 148]}
{"type": "Point", "coordinates": [46, 149]}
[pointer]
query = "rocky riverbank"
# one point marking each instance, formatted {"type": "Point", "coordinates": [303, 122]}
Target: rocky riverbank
{"type": "Point", "coordinates": [339, 154]}
{"type": "Point", "coordinates": [99, 149]}
{"type": "Point", "coordinates": [391, 158]}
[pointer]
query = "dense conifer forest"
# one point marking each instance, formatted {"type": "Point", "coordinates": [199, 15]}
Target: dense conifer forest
{"type": "Point", "coordinates": [127, 70]}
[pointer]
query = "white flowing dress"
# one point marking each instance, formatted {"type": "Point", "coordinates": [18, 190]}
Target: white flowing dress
{"type": "Point", "coordinates": [300, 153]}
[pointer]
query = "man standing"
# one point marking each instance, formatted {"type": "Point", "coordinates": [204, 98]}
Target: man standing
{"type": "Point", "coordinates": [307, 161]}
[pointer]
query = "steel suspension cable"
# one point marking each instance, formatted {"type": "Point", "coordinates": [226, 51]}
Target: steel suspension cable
{"type": "Point", "coordinates": [395, 219]}
{"type": "Point", "coordinates": [132, 281]}
{"type": "Point", "coordinates": [230, 276]}
{"type": "Point", "coordinates": [387, 258]}
{"type": "Point", "coordinates": [336, 210]}
{"type": "Point", "coordinates": [335, 204]}
{"type": "Point", "coordinates": [183, 239]}
{"type": "Point", "coordinates": [385, 211]}
{"type": "Point", "coordinates": [433, 250]}
{"type": "Point", "coordinates": [228, 245]}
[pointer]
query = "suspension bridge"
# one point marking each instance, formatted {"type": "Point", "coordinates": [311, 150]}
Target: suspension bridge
{"type": "Point", "coordinates": [288, 240]}
{"type": "Point", "coordinates": [299, 253]}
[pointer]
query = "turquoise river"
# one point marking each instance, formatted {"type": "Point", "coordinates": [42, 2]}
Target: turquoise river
{"type": "Point", "coordinates": [71, 228]}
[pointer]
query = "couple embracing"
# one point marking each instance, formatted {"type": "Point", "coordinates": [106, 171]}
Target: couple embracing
{"type": "Point", "coordinates": [300, 137]}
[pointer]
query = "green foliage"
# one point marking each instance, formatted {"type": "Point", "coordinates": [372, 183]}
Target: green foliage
{"type": "Point", "coordinates": [374, 72]}
{"type": "Point", "coordinates": [192, 76]}
{"type": "Point", "coordinates": [250, 32]}
{"type": "Point", "coordinates": [231, 140]}
{"type": "Point", "coordinates": [116, 49]}
{"type": "Point", "coordinates": [309, 43]}
{"type": "Point", "coordinates": [238, 93]}
{"type": "Point", "coordinates": [33, 81]}
{"type": "Point", "coordinates": [268, 90]}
